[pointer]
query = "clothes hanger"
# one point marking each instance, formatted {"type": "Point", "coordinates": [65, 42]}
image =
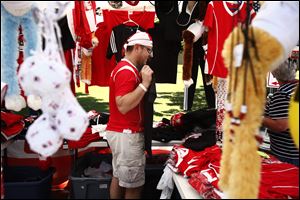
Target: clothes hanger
{"type": "Point", "coordinates": [233, 2]}
{"type": "Point", "coordinates": [130, 20]}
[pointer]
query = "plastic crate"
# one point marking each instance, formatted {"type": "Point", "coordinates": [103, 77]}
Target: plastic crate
{"type": "Point", "coordinates": [26, 182]}
{"type": "Point", "coordinates": [90, 188]}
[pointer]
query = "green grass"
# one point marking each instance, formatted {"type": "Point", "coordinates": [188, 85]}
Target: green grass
{"type": "Point", "coordinates": [169, 97]}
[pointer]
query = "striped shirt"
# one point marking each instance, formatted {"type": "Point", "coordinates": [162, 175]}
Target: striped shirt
{"type": "Point", "coordinates": [282, 144]}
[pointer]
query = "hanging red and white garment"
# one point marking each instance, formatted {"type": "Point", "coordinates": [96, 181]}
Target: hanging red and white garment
{"type": "Point", "coordinates": [21, 52]}
{"type": "Point", "coordinates": [220, 19]}
{"type": "Point", "coordinates": [84, 18]}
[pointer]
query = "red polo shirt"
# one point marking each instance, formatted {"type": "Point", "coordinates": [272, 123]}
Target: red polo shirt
{"type": "Point", "coordinates": [123, 80]}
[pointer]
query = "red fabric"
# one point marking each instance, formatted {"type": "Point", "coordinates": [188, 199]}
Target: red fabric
{"type": "Point", "coordinates": [20, 59]}
{"type": "Point", "coordinates": [81, 25]}
{"type": "Point", "coordinates": [61, 160]}
{"type": "Point", "coordinates": [220, 23]}
{"type": "Point", "coordinates": [200, 183]}
{"type": "Point", "coordinates": [45, 164]}
{"type": "Point", "coordinates": [278, 180]}
{"type": "Point", "coordinates": [188, 161]}
{"type": "Point", "coordinates": [104, 150]}
{"type": "Point", "coordinates": [14, 124]}
{"type": "Point", "coordinates": [69, 63]}
{"type": "Point", "coordinates": [101, 66]}
{"type": "Point", "coordinates": [125, 82]}
{"type": "Point", "coordinates": [10, 118]}
{"type": "Point", "coordinates": [176, 119]}
{"type": "Point", "coordinates": [205, 180]}
{"type": "Point", "coordinates": [202, 186]}
{"type": "Point", "coordinates": [85, 139]}
{"type": "Point", "coordinates": [86, 89]}
{"type": "Point", "coordinates": [116, 17]}
{"type": "Point", "coordinates": [160, 152]}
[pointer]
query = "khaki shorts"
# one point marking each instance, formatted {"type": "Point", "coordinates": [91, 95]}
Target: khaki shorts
{"type": "Point", "coordinates": [128, 158]}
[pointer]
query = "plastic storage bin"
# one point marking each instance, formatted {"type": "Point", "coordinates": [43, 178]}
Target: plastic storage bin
{"type": "Point", "coordinates": [89, 187]}
{"type": "Point", "coordinates": [26, 182]}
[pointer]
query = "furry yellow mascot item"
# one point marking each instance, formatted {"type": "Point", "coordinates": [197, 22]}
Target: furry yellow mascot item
{"type": "Point", "coordinates": [262, 46]}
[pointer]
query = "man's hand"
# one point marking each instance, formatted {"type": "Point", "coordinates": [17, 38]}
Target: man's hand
{"type": "Point", "coordinates": [146, 74]}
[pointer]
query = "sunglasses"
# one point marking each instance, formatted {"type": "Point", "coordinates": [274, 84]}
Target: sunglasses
{"type": "Point", "coordinates": [149, 50]}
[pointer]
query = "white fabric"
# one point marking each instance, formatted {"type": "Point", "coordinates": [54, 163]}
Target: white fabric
{"type": "Point", "coordinates": [141, 38]}
{"type": "Point", "coordinates": [42, 136]}
{"type": "Point", "coordinates": [14, 102]}
{"type": "Point", "coordinates": [71, 119]}
{"type": "Point", "coordinates": [89, 13]}
{"type": "Point", "coordinates": [48, 75]}
{"type": "Point", "coordinates": [166, 183]}
{"type": "Point", "coordinates": [71, 24]}
{"type": "Point", "coordinates": [44, 74]}
{"type": "Point", "coordinates": [188, 83]}
{"type": "Point", "coordinates": [17, 8]}
{"type": "Point", "coordinates": [238, 52]}
{"type": "Point", "coordinates": [206, 67]}
{"type": "Point", "coordinates": [34, 102]}
{"type": "Point", "coordinates": [99, 128]}
{"type": "Point", "coordinates": [87, 52]}
{"type": "Point", "coordinates": [281, 20]}
{"type": "Point", "coordinates": [197, 29]}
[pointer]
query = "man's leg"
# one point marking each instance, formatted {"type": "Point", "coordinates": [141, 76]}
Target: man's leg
{"type": "Point", "coordinates": [116, 191]}
{"type": "Point", "coordinates": [133, 193]}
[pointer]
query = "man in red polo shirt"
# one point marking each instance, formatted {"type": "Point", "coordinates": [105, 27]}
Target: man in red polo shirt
{"type": "Point", "coordinates": [128, 83]}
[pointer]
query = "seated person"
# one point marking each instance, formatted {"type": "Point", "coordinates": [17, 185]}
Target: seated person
{"type": "Point", "coordinates": [276, 114]}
